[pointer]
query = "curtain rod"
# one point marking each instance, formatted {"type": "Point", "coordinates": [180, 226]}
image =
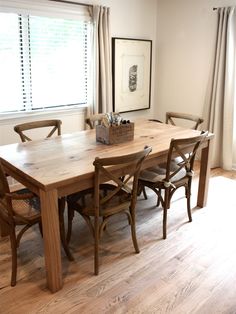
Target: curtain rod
{"type": "Point", "coordinates": [73, 2]}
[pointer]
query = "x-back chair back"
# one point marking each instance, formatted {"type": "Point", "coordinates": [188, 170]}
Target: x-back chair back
{"type": "Point", "coordinates": [171, 118]}
{"type": "Point", "coordinates": [94, 119]}
{"type": "Point", "coordinates": [54, 125]}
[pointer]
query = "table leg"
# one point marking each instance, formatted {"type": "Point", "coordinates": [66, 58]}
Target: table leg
{"type": "Point", "coordinates": [51, 237]}
{"type": "Point", "coordinates": [204, 175]}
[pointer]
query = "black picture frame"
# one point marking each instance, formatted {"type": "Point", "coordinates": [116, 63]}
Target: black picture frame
{"type": "Point", "coordinates": [131, 72]}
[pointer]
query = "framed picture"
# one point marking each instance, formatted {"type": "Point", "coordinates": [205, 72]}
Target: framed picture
{"type": "Point", "coordinates": [131, 67]}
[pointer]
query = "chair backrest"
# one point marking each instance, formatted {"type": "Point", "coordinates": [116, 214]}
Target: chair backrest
{"type": "Point", "coordinates": [172, 116]}
{"type": "Point", "coordinates": [131, 165]}
{"type": "Point", "coordinates": [94, 119]}
{"type": "Point", "coordinates": [54, 125]}
{"type": "Point", "coordinates": [184, 151]}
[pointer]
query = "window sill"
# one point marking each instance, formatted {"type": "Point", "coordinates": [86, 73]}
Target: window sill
{"type": "Point", "coordinates": [6, 117]}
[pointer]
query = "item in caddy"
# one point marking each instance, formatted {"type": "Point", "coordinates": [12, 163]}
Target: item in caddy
{"type": "Point", "coordinates": [113, 119]}
{"type": "Point", "coordinates": [125, 122]}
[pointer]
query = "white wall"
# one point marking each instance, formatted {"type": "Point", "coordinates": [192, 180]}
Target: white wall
{"type": "Point", "coordinates": [135, 19]}
{"type": "Point", "coordinates": [186, 32]}
{"type": "Point", "coordinates": [129, 19]}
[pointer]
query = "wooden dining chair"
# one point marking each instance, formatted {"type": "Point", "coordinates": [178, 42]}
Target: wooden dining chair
{"type": "Point", "coordinates": [107, 199]}
{"type": "Point", "coordinates": [171, 118]}
{"type": "Point", "coordinates": [53, 125]}
{"type": "Point", "coordinates": [21, 209]}
{"type": "Point", "coordinates": [171, 178]}
{"type": "Point", "coordinates": [18, 208]}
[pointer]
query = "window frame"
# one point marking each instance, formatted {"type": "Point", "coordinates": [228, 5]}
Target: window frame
{"type": "Point", "coordinates": [48, 8]}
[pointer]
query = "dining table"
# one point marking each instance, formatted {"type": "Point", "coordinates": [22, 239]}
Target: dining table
{"type": "Point", "coordinates": [62, 165]}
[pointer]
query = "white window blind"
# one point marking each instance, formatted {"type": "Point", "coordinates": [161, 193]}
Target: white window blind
{"type": "Point", "coordinates": [10, 63]}
{"type": "Point", "coordinates": [44, 60]}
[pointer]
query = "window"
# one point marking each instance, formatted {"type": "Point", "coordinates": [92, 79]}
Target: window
{"type": "Point", "coordinates": [44, 61]}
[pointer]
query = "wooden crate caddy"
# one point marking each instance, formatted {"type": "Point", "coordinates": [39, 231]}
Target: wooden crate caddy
{"type": "Point", "coordinates": [115, 134]}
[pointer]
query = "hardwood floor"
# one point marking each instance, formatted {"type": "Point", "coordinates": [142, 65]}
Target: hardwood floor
{"type": "Point", "coordinates": [192, 271]}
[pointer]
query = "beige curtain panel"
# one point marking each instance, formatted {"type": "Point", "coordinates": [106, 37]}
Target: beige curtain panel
{"type": "Point", "coordinates": [220, 106]}
{"type": "Point", "coordinates": [103, 75]}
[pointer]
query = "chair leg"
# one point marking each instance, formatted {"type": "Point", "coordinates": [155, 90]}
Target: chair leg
{"type": "Point", "coordinates": [165, 208]}
{"type": "Point", "coordinates": [164, 221]}
{"type": "Point", "coordinates": [14, 257]}
{"type": "Point", "coordinates": [41, 229]}
{"type": "Point", "coordinates": [20, 234]}
{"type": "Point", "coordinates": [133, 232]}
{"type": "Point", "coordinates": [144, 193]}
{"type": "Point", "coordinates": [64, 242]}
{"type": "Point", "coordinates": [141, 189]}
{"type": "Point", "coordinates": [96, 245]}
{"type": "Point", "coordinates": [105, 226]}
{"type": "Point", "coordinates": [69, 228]}
{"type": "Point", "coordinates": [189, 210]}
{"type": "Point", "coordinates": [188, 195]}
{"type": "Point", "coordinates": [159, 198]}
{"type": "Point", "coordinates": [62, 230]}
{"type": "Point", "coordinates": [89, 223]}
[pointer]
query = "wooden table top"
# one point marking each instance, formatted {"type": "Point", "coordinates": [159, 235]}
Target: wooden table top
{"type": "Point", "coordinates": [55, 161]}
